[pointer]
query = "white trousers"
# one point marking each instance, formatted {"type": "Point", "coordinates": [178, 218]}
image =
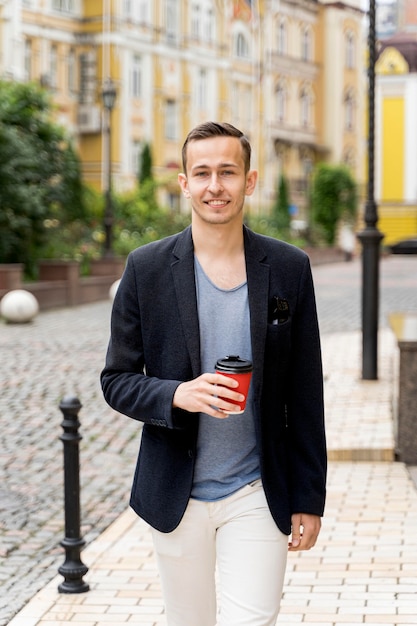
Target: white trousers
{"type": "Point", "coordinates": [239, 534]}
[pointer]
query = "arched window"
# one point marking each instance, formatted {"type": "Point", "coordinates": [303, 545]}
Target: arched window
{"type": "Point", "coordinates": [242, 46]}
{"type": "Point", "coordinates": [195, 21]}
{"type": "Point", "coordinates": [349, 106]}
{"type": "Point", "coordinates": [53, 67]}
{"type": "Point", "coordinates": [282, 38]}
{"type": "Point", "coordinates": [280, 102]}
{"type": "Point", "coordinates": [306, 44]}
{"type": "Point", "coordinates": [209, 25]}
{"type": "Point", "coordinates": [136, 76]}
{"type": "Point", "coordinates": [306, 101]}
{"type": "Point", "coordinates": [171, 121]}
{"type": "Point", "coordinates": [350, 50]}
{"type": "Point", "coordinates": [71, 76]}
{"type": "Point", "coordinates": [349, 159]}
{"type": "Point", "coordinates": [202, 89]}
{"type": "Point", "coordinates": [28, 59]}
{"type": "Point", "coordinates": [171, 20]}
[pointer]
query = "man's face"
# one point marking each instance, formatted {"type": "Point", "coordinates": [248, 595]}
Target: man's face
{"type": "Point", "coordinates": [215, 181]}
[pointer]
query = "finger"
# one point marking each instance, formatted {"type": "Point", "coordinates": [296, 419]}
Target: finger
{"type": "Point", "coordinates": [224, 381]}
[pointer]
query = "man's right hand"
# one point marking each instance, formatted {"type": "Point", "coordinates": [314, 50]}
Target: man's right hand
{"type": "Point", "coordinates": [201, 395]}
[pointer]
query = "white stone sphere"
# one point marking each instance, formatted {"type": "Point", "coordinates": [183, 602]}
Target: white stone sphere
{"type": "Point", "coordinates": [113, 289]}
{"type": "Point", "coordinates": [19, 306]}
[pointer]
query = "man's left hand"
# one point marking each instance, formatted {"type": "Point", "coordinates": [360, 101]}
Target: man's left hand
{"type": "Point", "coordinates": [305, 530]}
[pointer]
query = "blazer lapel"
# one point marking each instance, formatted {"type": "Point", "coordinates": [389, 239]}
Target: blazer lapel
{"type": "Point", "coordinates": [185, 289]}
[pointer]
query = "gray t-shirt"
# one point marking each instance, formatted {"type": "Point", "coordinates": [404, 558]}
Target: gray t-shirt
{"type": "Point", "coordinates": [227, 457]}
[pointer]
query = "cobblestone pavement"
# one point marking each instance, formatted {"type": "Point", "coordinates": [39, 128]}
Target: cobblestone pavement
{"type": "Point", "coordinates": [61, 353]}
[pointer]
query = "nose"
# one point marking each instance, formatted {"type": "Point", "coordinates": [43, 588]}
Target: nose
{"type": "Point", "coordinates": [214, 184]}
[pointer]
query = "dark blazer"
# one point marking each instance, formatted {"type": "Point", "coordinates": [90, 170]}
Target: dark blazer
{"type": "Point", "coordinates": [154, 346]}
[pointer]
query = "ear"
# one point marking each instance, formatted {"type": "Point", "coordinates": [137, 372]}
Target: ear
{"type": "Point", "coordinates": [251, 179]}
{"type": "Point", "coordinates": [183, 183]}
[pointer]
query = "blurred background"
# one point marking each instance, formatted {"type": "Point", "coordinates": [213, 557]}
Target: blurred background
{"type": "Point", "coordinates": [110, 88]}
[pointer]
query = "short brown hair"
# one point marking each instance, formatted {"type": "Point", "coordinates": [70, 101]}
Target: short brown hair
{"type": "Point", "coordinates": [217, 129]}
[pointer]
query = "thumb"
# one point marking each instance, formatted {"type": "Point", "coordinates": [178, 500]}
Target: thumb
{"type": "Point", "coordinates": [296, 531]}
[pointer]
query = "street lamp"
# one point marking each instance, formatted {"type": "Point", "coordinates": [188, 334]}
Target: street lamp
{"type": "Point", "coordinates": [108, 95]}
{"type": "Point", "coordinates": [370, 237]}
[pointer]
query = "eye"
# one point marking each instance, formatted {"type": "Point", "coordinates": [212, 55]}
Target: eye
{"type": "Point", "coordinates": [227, 173]}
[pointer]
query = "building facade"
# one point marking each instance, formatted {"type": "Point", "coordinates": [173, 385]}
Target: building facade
{"type": "Point", "coordinates": [288, 72]}
{"type": "Point", "coordinates": [396, 136]}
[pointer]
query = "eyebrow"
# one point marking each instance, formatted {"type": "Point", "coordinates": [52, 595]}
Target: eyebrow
{"type": "Point", "coordinates": [203, 166]}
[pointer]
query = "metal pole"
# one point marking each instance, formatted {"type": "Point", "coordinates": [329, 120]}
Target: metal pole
{"type": "Point", "coordinates": [370, 237]}
{"type": "Point", "coordinates": [108, 211]}
{"type": "Point", "coordinates": [72, 569]}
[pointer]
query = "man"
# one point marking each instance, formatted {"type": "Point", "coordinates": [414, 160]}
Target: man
{"type": "Point", "coordinates": [220, 488]}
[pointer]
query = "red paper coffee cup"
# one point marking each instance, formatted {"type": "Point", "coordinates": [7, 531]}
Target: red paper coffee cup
{"type": "Point", "coordinates": [240, 370]}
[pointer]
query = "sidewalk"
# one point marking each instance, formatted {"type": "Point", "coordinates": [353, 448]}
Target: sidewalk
{"type": "Point", "coordinates": [364, 568]}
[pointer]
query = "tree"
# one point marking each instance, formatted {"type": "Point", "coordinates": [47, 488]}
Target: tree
{"type": "Point", "coordinates": [333, 197]}
{"type": "Point", "coordinates": [145, 165]}
{"type": "Point", "coordinates": [40, 173]}
{"type": "Point", "coordinates": [281, 209]}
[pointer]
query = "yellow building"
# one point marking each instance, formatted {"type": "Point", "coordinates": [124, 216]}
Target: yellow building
{"type": "Point", "coordinates": [396, 137]}
{"type": "Point", "coordinates": [287, 72]}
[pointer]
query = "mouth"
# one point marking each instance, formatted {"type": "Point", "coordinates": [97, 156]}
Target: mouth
{"type": "Point", "coordinates": [216, 204]}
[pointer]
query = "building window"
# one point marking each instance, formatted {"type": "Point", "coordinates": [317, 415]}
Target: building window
{"type": "Point", "coordinates": [242, 46]}
{"type": "Point", "coordinates": [209, 25]}
{"type": "Point", "coordinates": [28, 59]}
{"type": "Point", "coordinates": [280, 102]}
{"type": "Point", "coordinates": [72, 71]}
{"type": "Point", "coordinates": [63, 6]}
{"type": "Point", "coordinates": [349, 159]}
{"type": "Point", "coordinates": [349, 112]}
{"type": "Point", "coordinates": [350, 50]}
{"type": "Point", "coordinates": [195, 21]}
{"type": "Point", "coordinates": [143, 11]}
{"type": "Point", "coordinates": [53, 67]}
{"type": "Point", "coordinates": [282, 38]}
{"type": "Point", "coordinates": [136, 153]}
{"type": "Point", "coordinates": [306, 44]}
{"type": "Point", "coordinates": [171, 125]}
{"type": "Point", "coordinates": [202, 91]}
{"type": "Point", "coordinates": [171, 20]}
{"type": "Point", "coordinates": [305, 107]}
{"type": "Point", "coordinates": [127, 8]}
{"type": "Point", "coordinates": [136, 80]}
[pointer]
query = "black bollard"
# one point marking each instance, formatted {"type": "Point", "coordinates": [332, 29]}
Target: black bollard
{"type": "Point", "coordinates": [73, 569]}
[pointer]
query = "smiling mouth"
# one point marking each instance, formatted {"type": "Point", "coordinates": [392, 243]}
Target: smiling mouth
{"type": "Point", "coordinates": [217, 203]}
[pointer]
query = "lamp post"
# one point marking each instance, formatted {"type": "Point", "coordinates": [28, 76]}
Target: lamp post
{"type": "Point", "coordinates": [108, 95]}
{"type": "Point", "coordinates": [370, 237]}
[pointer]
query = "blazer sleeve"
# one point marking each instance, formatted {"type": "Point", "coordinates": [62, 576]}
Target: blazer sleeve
{"type": "Point", "coordinates": [126, 386]}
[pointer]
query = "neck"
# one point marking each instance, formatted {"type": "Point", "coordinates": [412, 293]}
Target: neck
{"type": "Point", "coordinates": [217, 240]}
